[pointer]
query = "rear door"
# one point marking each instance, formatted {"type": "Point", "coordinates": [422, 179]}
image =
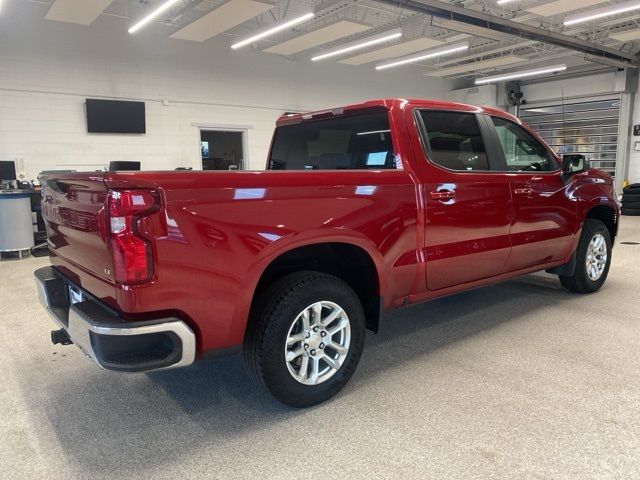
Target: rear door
{"type": "Point", "coordinates": [467, 205]}
{"type": "Point", "coordinates": [544, 216]}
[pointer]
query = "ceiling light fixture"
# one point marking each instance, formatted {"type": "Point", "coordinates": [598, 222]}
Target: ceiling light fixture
{"type": "Point", "coordinates": [521, 74]}
{"type": "Point", "coordinates": [446, 50]}
{"type": "Point", "coordinates": [502, 2]}
{"type": "Point", "coordinates": [388, 36]}
{"type": "Point", "coordinates": [602, 12]}
{"type": "Point", "coordinates": [272, 30]}
{"type": "Point", "coordinates": [162, 8]}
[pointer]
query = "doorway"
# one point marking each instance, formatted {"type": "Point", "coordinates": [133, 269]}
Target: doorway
{"type": "Point", "coordinates": [222, 149]}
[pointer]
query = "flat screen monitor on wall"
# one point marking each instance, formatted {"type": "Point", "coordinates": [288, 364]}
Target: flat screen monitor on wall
{"type": "Point", "coordinates": [115, 116]}
{"type": "Point", "coordinates": [124, 166]}
{"type": "Point", "coordinates": [7, 170]}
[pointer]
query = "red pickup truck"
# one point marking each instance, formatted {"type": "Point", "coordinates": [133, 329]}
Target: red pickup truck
{"type": "Point", "coordinates": [362, 209]}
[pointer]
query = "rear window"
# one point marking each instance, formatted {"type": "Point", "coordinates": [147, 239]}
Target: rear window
{"type": "Point", "coordinates": [454, 140]}
{"type": "Point", "coordinates": [343, 143]}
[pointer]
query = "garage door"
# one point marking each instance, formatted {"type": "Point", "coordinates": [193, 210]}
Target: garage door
{"type": "Point", "coordinates": [589, 127]}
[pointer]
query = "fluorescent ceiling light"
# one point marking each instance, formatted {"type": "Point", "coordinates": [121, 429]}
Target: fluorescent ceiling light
{"type": "Point", "coordinates": [393, 51]}
{"type": "Point", "coordinates": [557, 7]}
{"type": "Point", "coordinates": [602, 12]}
{"type": "Point", "coordinates": [386, 37]}
{"type": "Point", "coordinates": [158, 11]}
{"type": "Point", "coordinates": [477, 66]}
{"type": "Point", "coordinates": [522, 74]}
{"type": "Point", "coordinates": [222, 18]}
{"type": "Point", "coordinates": [272, 30]}
{"type": "Point", "coordinates": [446, 50]}
{"type": "Point", "coordinates": [326, 34]}
{"type": "Point", "coordinates": [80, 12]}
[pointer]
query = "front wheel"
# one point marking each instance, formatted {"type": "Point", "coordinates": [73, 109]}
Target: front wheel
{"type": "Point", "coordinates": [306, 337]}
{"type": "Point", "coordinates": [593, 259]}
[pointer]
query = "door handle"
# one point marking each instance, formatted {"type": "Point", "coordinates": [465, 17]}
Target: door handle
{"type": "Point", "coordinates": [442, 195]}
{"type": "Point", "coordinates": [523, 191]}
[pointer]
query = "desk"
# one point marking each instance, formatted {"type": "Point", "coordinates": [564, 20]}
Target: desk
{"type": "Point", "coordinates": [16, 225]}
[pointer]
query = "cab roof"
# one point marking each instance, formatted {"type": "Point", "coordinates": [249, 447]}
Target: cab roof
{"type": "Point", "coordinates": [387, 104]}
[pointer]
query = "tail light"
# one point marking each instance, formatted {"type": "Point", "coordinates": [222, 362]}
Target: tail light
{"type": "Point", "coordinates": [132, 253]}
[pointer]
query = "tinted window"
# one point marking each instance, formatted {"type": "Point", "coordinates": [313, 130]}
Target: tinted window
{"type": "Point", "coordinates": [454, 140]}
{"type": "Point", "coordinates": [349, 142]}
{"type": "Point", "coordinates": [521, 151]}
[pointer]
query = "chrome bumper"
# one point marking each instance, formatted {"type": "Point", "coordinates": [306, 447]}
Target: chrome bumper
{"type": "Point", "coordinates": [110, 341]}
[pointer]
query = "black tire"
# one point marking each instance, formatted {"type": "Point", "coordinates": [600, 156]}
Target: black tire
{"type": "Point", "coordinates": [633, 188]}
{"type": "Point", "coordinates": [273, 315]}
{"type": "Point", "coordinates": [631, 205]}
{"type": "Point", "coordinates": [580, 282]}
{"type": "Point", "coordinates": [631, 197]}
{"type": "Point", "coordinates": [632, 212]}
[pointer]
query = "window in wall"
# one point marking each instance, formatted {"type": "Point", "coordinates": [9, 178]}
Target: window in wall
{"type": "Point", "coordinates": [522, 152]}
{"type": "Point", "coordinates": [454, 140]}
{"type": "Point", "coordinates": [348, 142]}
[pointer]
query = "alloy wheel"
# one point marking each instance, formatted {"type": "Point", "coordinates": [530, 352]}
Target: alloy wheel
{"type": "Point", "coordinates": [317, 343]}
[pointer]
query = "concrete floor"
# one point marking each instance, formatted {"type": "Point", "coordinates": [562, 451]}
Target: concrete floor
{"type": "Point", "coordinates": [521, 380]}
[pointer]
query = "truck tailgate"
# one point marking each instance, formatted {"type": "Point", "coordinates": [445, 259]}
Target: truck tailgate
{"type": "Point", "coordinates": [74, 211]}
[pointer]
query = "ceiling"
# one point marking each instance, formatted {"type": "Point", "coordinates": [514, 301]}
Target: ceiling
{"type": "Point", "coordinates": [338, 22]}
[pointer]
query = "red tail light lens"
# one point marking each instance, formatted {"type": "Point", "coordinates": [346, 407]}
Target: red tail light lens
{"type": "Point", "coordinates": [132, 253]}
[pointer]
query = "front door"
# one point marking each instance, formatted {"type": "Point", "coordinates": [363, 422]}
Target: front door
{"type": "Point", "coordinates": [467, 206]}
{"type": "Point", "coordinates": [544, 216]}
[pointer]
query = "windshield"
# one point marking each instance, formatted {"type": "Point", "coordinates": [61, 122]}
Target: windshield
{"type": "Point", "coordinates": [343, 143]}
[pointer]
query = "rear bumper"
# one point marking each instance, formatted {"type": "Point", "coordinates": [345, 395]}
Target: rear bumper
{"type": "Point", "coordinates": [110, 341]}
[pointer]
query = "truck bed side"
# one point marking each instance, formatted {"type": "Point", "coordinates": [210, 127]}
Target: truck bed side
{"type": "Point", "coordinates": [217, 232]}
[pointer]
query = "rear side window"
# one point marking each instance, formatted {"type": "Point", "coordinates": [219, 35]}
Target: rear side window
{"type": "Point", "coordinates": [454, 140]}
{"type": "Point", "coordinates": [342, 143]}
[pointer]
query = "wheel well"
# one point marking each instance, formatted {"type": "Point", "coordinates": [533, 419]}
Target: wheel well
{"type": "Point", "coordinates": [606, 215]}
{"type": "Point", "coordinates": [345, 261]}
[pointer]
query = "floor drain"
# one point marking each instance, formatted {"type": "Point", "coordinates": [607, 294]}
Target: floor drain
{"type": "Point", "coordinates": [629, 243]}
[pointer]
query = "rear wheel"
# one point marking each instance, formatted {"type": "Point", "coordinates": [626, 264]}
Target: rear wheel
{"type": "Point", "coordinates": [307, 336]}
{"type": "Point", "coordinates": [593, 259]}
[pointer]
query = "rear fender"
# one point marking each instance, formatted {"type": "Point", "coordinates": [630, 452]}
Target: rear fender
{"type": "Point", "coordinates": [311, 237]}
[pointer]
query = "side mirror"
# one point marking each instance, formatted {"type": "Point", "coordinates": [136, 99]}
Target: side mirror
{"type": "Point", "coordinates": [574, 163]}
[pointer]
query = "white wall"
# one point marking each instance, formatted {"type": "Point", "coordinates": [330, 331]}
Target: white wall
{"type": "Point", "coordinates": [47, 69]}
{"type": "Point", "coordinates": [484, 95]}
{"type": "Point", "coordinates": [599, 84]}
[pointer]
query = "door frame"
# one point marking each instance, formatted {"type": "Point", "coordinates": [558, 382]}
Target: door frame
{"type": "Point", "coordinates": [216, 127]}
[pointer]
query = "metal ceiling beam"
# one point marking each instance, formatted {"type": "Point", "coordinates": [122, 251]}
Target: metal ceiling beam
{"type": "Point", "coordinates": [447, 11]}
